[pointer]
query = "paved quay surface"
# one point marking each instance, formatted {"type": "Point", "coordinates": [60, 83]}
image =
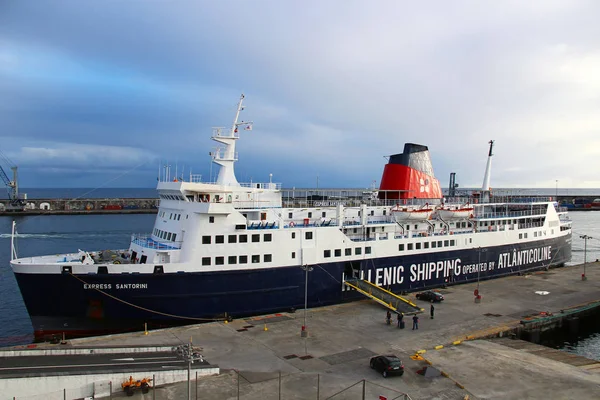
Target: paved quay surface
{"type": "Point", "coordinates": [343, 338]}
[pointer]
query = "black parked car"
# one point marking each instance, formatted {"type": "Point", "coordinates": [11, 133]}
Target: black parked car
{"type": "Point", "coordinates": [430, 295]}
{"type": "Point", "coordinates": [387, 365]}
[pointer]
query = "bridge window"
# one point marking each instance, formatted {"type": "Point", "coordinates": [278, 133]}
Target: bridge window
{"type": "Point", "coordinates": [445, 243]}
{"type": "Point", "coordinates": [267, 237]}
{"type": "Point", "coordinates": [348, 252]}
{"type": "Point", "coordinates": [338, 252]}
{"type": "Point", "coordinates": [174, 236]}
{"type": "Point", "coordinates": [418, 246]}
{"type": "Point", "coordinates": [243, 238]}
{"type": "Point", "coordinates": [169, 236]}
{"type": "Point", "coordinates": [368, 250]}
{"type": "Point", "coordinates": [409, 246]}
{"type": "Point", "coordinates": [357, 251]}
{"type": "Point", "coordinates": [243, 260]}
{"type": "Point", "coordinates": [232, 260]}
{"type": "Point", "coordinates": [205, 260]}
{"type": "Point", "coordinates": [255, 238]}
{"type": "Point", "coordinates": [219, 239]}
{"type": "Point", "coordinates": [426, 245]}
{"type": "Point", "coordinates": [268, 257]}
{"type": "Point", "coordinates": [452, 242]}
{"type": "Point", "coordinates": [439, 243]}
{"type": "Point", "coordinates": [327, 253]}
{"type": "Point", "coordinates": [255, 258]}
{"type": "Point", "coordinates": [433, 245]}
{"type": "Point", "coordinates": [219, 260]}
{"type": "Point", "coordinates": [232, 239]}
{"type": "Point", "coordinates": [401, 247]}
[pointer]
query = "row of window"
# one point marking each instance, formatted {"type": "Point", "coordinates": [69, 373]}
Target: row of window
{"type": "Point", "coordinates": [324, 214]}
{"type": "Point", "coordinates": [172, 216]}
{"type": "Point", "coordinates": [231, 260]}
{"type": "Point", "coordinates": [347, 252]}
{"type": "Point", "coordinates": [219, 239]}
{"type": "Point", "coordinates": [426, 245]}
{"type": "Point", "coordinates": [171, 197]}
{"type": "Point", "coordinates": [165, 235]}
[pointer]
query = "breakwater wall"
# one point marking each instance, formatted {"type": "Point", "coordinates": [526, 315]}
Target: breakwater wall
{"type": "Point", "coordinates": [84, 206]}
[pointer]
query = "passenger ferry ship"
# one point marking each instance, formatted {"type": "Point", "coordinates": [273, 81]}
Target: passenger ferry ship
{"type": "Point", "coordinates": [228, 249]}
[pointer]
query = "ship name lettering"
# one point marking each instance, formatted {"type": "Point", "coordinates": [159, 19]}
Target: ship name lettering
{"type": "Point", "coordinates": [524, 257]}
{"type": "Point", "coordinates": [132, 286]}
{"type": "Point", "coordinates": [389, 276]}
{"type": "Point", "coordinates": [434, 270]}
{"type": "Point", "coordinates": [99, 286]}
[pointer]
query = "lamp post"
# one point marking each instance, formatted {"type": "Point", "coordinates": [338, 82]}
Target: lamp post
{"type": "Point", "coordinates": [187, 353]}
{"type": "Point", "coordinates": [306, 269]}
{"type": "Point", "coordinates": [477, 294]}
{"type": "Point", "coordinates": [585, 239]}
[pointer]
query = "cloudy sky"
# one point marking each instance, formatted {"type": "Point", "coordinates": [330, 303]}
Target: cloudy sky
{"type": "Point", "coordinates": [103, 92]}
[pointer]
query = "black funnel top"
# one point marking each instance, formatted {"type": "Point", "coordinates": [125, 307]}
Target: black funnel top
{"type": "Point", "coordinates": [415, 156]}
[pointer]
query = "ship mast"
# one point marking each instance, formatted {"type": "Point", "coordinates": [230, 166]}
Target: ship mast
{"type": "Point", "coordinates": [227, 157]}
{"type": "Point", "coordinates": [485, 188]}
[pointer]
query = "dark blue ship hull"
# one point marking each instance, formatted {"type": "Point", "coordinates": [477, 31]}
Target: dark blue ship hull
{"type": "Point", "coordinates": [105, 303]}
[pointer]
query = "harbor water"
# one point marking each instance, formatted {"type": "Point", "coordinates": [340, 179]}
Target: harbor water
{"type": "Point", "coordinates": [52, 234]}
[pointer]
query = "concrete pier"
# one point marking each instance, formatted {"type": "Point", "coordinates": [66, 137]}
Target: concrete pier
{"type": "Point", "coordinates": [472, 346]}
{"type": "Point", "coordinates": [85, 206]}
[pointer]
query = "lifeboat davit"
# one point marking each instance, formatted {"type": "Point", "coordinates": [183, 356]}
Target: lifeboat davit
{"type": "Point", "coordinates": [455, 213]}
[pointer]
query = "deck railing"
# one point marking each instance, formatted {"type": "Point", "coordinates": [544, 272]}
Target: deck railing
{"type": "Point", "coordinates": [148, 242]}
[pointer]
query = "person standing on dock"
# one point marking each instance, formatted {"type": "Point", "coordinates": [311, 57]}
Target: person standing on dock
{"type": "Point", "coordinates": [415, 322]}
{"type": "Point", "coordinates": [431, 310]}
{"type": "Point", "coordinates": [400, 320]}
{"type": "Point", "coordinates": [388, 317]}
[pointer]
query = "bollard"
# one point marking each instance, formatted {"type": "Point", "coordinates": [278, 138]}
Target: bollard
{"type": "Point", "coordinates": [145, 328]}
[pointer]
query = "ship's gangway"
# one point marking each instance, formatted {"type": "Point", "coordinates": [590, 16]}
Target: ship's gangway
{"type": "Point", "coordinates": [384, 297]}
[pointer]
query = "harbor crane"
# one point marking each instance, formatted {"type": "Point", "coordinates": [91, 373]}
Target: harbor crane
{"type": "Point", "coordinates": [16, 203]}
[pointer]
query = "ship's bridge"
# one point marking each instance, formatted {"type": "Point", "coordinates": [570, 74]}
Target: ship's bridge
{"type": "Point", "coordinates": [246, 195]}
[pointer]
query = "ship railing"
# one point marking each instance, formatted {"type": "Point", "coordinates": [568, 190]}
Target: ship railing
{"type": "Point", "coordinates": [262, 225]}
{"type": "Point", "coordinates": [309, 222]}
{"type": "Point", "coordinates": [148, 242]}
{"type": "Point", "coordinates": [221, 131]}
{"type": "Point", "coordinates": [262, 185]}
{"type": "Point", "coordinates": [505, 214]}
{"type": "Point", "coordinates": [196, 178]}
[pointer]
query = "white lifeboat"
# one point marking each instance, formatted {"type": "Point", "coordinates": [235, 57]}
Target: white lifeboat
{"type": "Point", "coordinates": [457, 212]}
{"type": "Point", "coordinates": [400, 213]}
